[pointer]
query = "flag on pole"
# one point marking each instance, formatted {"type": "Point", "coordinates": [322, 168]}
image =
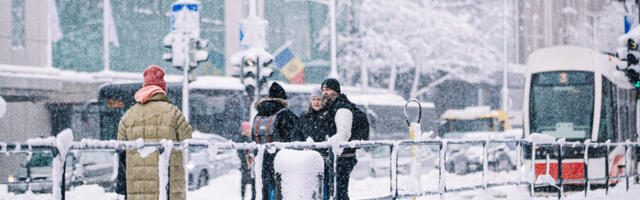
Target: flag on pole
{"type": "Point", "coordinates": [56, 31]}
{"type": "Point", "coordinates": [112, 32]}
{"type": "Point", "coordinates": [290, 66]}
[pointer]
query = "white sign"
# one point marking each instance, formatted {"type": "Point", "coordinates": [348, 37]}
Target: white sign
{"type": "Point", "coordinates": [185, 17]}
{"type": "Point", "coordinates": [253, 33]}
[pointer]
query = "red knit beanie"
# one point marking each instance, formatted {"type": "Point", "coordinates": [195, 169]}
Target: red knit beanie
{"type": "Point", "coordinates": [154, 75]}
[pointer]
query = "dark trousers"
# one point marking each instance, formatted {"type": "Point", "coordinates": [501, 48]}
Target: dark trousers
{"type": "Point", "coordinates": [344, 166]}
{"type": "Point", "coordinates": [268, 177]}
{"type": "Point", "coordinates": [328, 176]}
{"type": "Point", "coordinates": [253, 189]}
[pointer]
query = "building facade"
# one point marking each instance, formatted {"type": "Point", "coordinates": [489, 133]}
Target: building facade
{"type": "Point", "coordinates": [591, 24]}
{"type": "Point", "coordinates": [48, 83]}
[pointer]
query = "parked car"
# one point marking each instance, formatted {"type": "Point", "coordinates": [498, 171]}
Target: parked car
{"type": "Point", "coordinates": [202, 167]}
{"type": "Point", "coordinates": [381, 161]}
{"type": "Point", "coordinates": [95, 167]}
{"type": "Point", "coordinates": [376, 163]}
{"type": "Point", "coordinates": [81, 167]}
{"type": "Point", "coordinates": [479, 123]}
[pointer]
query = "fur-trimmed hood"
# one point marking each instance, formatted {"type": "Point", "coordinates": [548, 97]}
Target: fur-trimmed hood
{"type": "Point", "coordinates": [284, 102]}
{"type": "Point", "coordinates": [269, 106]}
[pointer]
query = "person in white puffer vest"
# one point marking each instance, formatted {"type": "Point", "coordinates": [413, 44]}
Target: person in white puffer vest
{"type": "Point", "coordinates": [345, 122]}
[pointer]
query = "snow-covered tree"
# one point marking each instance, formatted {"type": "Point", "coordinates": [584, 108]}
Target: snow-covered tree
{"type": "Point", "coordinates": [391, 37]}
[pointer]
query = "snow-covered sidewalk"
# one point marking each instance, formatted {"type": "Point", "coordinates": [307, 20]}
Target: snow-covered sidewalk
{"type": "Point", "coordinates": [228, 187]}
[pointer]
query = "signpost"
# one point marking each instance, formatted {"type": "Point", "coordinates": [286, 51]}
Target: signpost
{"type": "Point", "coordinates": [253, 60]}
{"type": "Point", "coordinates": [185, 43]}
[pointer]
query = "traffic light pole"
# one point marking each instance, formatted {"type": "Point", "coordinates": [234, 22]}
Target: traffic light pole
{"type": "Point", "coordinates": [258, 85]}
{"type": "Point", "coordinates": [185, 89]}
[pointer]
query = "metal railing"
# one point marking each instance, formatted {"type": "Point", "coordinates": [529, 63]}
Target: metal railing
{"type": "Point", "coordinates": [50, 144]}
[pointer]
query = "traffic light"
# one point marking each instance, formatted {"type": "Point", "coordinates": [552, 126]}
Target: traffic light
{"type": "Point", "coordinates": [633, 76]}
{"type": "Point", "coordinates": [185, 50]}
{"type": "Point", "coordinates": [197, 52]}
{"type": "Point", "coordinates": [248, 76]}
{"type": "Point", "coordinates": [179, 49]}
{"type": "Point", "coordinates": [254, 74]}
{"type": "Point", "coordinates": [631, 55]}
{"type": "Point", "coordinates": [253, 68]}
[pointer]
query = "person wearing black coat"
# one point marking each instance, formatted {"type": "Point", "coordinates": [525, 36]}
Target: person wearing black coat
{"type": "Point", "coordinates": [312, 126]}
{"type": "Point", "coordinates": [246, 162]}
{"type": "Point", "coordinates": [285, 131]}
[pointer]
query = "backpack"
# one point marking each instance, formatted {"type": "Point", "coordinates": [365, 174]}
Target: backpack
{"type": "Point", "coordinates": [360, 125]}
{"type": "Point", "coordinates": [265, 127]}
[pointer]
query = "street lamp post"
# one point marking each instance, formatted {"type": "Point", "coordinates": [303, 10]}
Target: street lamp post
{"type": "Point", "coordinates": [332, 15]}
{"type": "Point", "coordinates": [505, 72]}
{"type": "Point", "coordinates": [333, 73]}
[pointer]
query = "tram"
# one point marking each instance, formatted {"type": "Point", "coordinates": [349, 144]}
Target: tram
{"type": "Point", "coordinates": [577, 94]}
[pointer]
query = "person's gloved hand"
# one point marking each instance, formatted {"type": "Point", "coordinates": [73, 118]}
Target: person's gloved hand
{"type": "Point", "coordinates": [335, 142]}
{"type": "Point", "coordinates": [309, 140]}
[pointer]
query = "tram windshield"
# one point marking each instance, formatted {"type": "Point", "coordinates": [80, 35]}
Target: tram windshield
{"type": "Point", "coordinates": [561, 104]}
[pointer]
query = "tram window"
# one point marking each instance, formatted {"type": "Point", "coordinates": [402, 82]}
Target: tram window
{"type": "Point", "coordinates": [614, 112]}
{"type": "Point", "coordinates": [631, 116]}
{"type": "Point", "coordinates": [607, 125]}
{"type": "Point", "coordinates": [627, 116]}
{"type": "Point", "coordinates": [561, 104]}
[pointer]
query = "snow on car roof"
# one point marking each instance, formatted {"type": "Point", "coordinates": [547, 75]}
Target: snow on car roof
{"type": "Point", "coordinates": [69, 75]}
{"type": "Point", "coordinates": [384, 99]}
{"type": "Point", "coordinates": [370, 96]}
{"type": "Point", "coordinates": [217, 82]}
{"type": "Point", "coordinates": [206, 136]}
{"type": "Point", "coordinates": [470, 112]}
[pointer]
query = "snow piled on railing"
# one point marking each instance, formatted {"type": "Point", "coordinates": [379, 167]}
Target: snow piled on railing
{"type": "Point", "coordinates": [48, 141]}
{"type": "Point", "coordinates": [299, 172]}
{"type": "Point", "coordinates": [163, 168]}
{"type": "Point", "coordinates": [63, 143]}
{"type": "Point", "coordinates": [394, 166]}
{"type": "Point", "coordinates": [3, 148]}
{"type": "Point", "coordinates": [257, 170]}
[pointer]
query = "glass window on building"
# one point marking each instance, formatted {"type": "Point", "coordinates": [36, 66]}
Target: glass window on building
{"type": "Point", "coordinates": [17, 24]}
{"type": "Point", "coordinates": [141, 25]}
{"type": "Point", "coordinates": [299, 23]}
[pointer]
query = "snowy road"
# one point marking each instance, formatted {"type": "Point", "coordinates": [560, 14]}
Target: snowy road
{"type": "Point", "coordinates": [228, 187]}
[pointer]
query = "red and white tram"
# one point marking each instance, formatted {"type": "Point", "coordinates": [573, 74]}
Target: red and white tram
{"type": "Point", "coordinates": [577, 94]}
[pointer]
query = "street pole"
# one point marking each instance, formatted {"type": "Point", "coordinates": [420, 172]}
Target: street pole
{"type": "Point", "coordinates": [258, 85]}
{"type": "Point", "coordinates": [505, 73]}
{"type": "Point", "coordinates": [185, 86]}
{"type": "Point", "coordinates": [332, 15]}
{"type": "Point", "coordinates": [252, 8]}
{"type": "Point", "coordinates": [49, 36]}
{"type": "Point", "coordinates": [105, 40]}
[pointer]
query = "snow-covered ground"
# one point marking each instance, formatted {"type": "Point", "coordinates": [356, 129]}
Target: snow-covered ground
{"type": "Point", "coordinates": [228, 187]}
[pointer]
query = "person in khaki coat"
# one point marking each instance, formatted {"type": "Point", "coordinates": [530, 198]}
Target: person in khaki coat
{"type": "Point", "coordinates": [153, 118]}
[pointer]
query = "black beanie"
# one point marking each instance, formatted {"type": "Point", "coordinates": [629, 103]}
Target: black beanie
{"type": "Point", "coordinates": [276, 91]}
{"type": "Point", "coordinates": [331, 83]}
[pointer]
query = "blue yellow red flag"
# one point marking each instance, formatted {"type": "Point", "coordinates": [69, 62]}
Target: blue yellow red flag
{"type": "Point", "coordinates": [290, 66]}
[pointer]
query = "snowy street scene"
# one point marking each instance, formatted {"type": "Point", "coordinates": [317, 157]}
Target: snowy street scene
{"type": "Point", "coordinates": [319, 99]}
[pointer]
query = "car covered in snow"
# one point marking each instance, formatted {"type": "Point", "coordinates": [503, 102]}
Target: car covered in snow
{"type": "Point", "coordinates": [202, 166]}
{"type": "Point", "coordinates": [478, 123]}
{"type": "Point", "coordinates": [376, 161]}
{"type": "Point", "coordinates": [81, 168]}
